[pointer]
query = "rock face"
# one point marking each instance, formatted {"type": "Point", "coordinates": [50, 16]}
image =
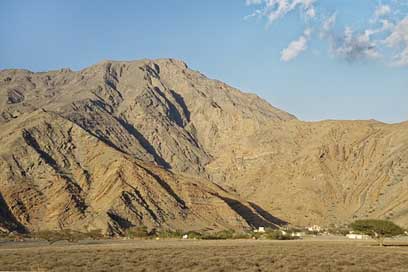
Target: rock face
{"type": "Point", "coordinates": [324, 172]}
{"type": "Point", "coordinates": [154, 143]}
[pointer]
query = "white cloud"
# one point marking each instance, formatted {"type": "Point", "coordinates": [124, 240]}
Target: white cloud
{"type": "Point", "coordinates": [276, 9]}
{"type": "Point", "coordinates": [328, 25]}
{"type": "Point", "coordinates": [399, 39]}
{"type": "Point", "coordinates": [401, 59]}
{"type": "Point", "coordinates": [365, 42]}
{"type": "Point", "coordinates": [329, 22]}
{"type": "Point", "coordinates": [253, 2]}
{"type": "Point", "coordinates": [296, 47]}
{"type": "Point", "coordinates": [311, 12]}
{"type": "Point", "coordinates": [382, 10]}
{"type": "Point", "coordinates": [386, 25]}
{"type": "Point", "coordinates": [399, 34]}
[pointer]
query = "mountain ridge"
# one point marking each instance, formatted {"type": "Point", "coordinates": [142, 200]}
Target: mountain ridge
{"type": "Point", "coordinates": [124, 123]}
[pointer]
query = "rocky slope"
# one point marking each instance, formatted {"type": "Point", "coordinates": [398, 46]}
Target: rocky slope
{"type": "Point", "coordinates": [152, 142]}
{"type": "Point", "coordinates": [324, 172]}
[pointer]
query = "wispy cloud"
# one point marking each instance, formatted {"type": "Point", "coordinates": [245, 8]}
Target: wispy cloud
{"type": "Point", "coordinates": [327, 25]}
{"type": "Point", "coordinates": [382, 10]}
{"type": "Point", "coordinates": [276, 9]}
{"type": "Point", "coordinates": [253, 2]}
{"type": "Point", "coordinates": [296, 47]}
{"type": "Point", "coordinates": [353, 47]}
{"type": "Point", "coordinates": [398, 39]}
{"type": "Point", "coordinates": [386, 28]}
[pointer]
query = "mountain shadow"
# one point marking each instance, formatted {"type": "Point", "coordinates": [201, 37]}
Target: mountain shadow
{"type": "Point", "coordinates": [145, 143]}
{"type": "Point", "coordinates": [260, 218]}
{"type": "Point", "coordinates": [267, 215]}
{"type": "Point", "coordinates": [7, 219]}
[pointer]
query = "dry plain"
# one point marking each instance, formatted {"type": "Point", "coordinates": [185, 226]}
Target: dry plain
{"type": "Point", "coordinates": [178, 255]}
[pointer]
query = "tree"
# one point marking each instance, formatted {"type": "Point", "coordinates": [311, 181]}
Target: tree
{"type": "Point", "coordinates": [377, 229]}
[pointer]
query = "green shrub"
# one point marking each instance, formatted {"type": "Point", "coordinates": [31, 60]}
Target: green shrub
{"type": "Point", "coordinates": [12, 236]}
{"type": "Point", "coordinates": [194, 235]}
{"type": "Point", "coordinates": [242, 235]}
{"type": "Point", "coordinates": [312, 232]}
{"type": "Point", "coordinates": [220, 235]}
{"type": "Point", "coordinates": [339, 231]}
{"type": "Point", "coordinates": [257, 235]}
{"type": "Point", "coordinates": [170, 234]}
{"type": "Point", "coordinates": [137, 232]}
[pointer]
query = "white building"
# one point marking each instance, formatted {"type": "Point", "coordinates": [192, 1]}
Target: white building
{"type": "Point", "coordinates": [298, 234]}
{"type": "Point", "coordinates": [260, 229]}
{"type": "Point", "coordinates": [355, 236]}
{"type": "Point", "coordinates": [315, 228]}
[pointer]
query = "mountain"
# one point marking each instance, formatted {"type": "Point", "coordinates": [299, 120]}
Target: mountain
{"type": "Point", "coordinates": [330, 172]}
{"type": "Point", "coordinates": [154, 143]}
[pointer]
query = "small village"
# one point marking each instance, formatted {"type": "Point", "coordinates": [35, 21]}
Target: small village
{"type": "Point", "coordinates": [319, 231]}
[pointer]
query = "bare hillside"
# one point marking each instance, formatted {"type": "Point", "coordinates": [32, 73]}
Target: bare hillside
{"type": "Point", "coordinates": [155, 143]}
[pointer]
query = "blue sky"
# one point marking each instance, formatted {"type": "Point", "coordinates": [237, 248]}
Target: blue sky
{"type": "Point", "coordinates": [295, 58]}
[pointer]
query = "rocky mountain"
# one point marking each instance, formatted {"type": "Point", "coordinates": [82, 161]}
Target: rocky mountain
{"type": "Point", "coordinates": [330, 172]}
{"type": "Point", "coordinates": [155, 143]}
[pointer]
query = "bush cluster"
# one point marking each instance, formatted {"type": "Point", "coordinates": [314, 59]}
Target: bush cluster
{"type": "Point", "coordinates": [137, 232]}
{"type": "Point", "coordinates": [142, 232]}
{"type": "Point", "coordinates": [53, 236]}
{"type": "Point", "coordinates": [169, 234]}
{"type": "Point", "coordinates": [228, 234]}
{"type": "Point", "coordinates": [231, 234]}
{"type": "Point", "coordinates": [278, 235]}
{"type": "Point", "coordinates": [220, 235]}
{"type": "Point", "coordinates": [339, 230]}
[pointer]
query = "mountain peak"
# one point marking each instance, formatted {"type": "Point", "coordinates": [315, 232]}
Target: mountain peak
{"type": "Point", "coordinates": [152, 142]}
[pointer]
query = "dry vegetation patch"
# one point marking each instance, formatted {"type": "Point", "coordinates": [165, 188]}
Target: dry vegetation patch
{"type": "Point", "coordinates": [237, 255]}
